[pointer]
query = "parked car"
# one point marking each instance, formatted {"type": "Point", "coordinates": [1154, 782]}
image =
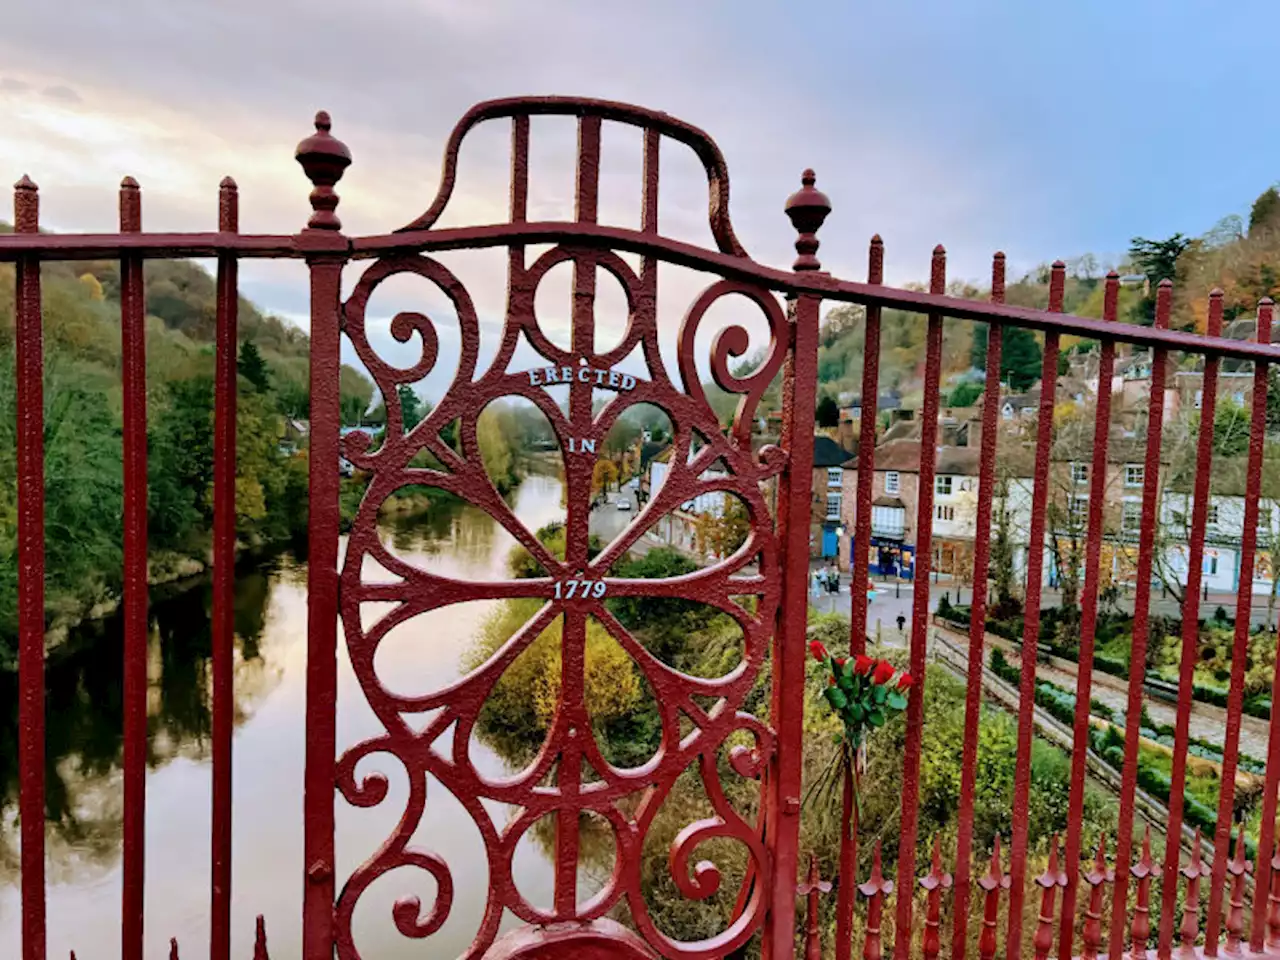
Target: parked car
{"type": "Point", "coordinates": [624, 503]}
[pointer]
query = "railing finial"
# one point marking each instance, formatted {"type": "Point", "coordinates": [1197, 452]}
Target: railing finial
{"type": "Point", "coordinates": [26, 206]}
{"type": "Point", "coordinates": [807, 208]}
{"type": "Point", "coordinates": [324, 158]}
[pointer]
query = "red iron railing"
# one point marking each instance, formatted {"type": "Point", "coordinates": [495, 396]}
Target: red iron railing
{"type": "Point", "coordinates": [773, 626]}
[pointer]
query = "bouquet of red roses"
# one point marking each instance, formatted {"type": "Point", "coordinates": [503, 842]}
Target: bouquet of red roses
{"type": "Point", "coordinates": [863, 693]}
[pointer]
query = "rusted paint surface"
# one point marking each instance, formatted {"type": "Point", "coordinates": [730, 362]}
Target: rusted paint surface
{"type": "Point", "coordinates": [133, 365]}
{"type": "Point", "coordinates": [224, 550]}
{"type": "Point", "coordinates": [978, 619]}
{"type": "Point", "coordinates": [1088, 623]}
{"type": "Point", "coordinates": [1190, 628]}
{"type": "Point", "coordinates": [920, 610]}
{"type": "Point", "coordinates": [428, 733]}
{"type": "Point", "coordinates": [1141, 625]}
{"type": "Point", "coordinates": [29, 363]}
{"type": "Point", "coordinates": [1240, 642]}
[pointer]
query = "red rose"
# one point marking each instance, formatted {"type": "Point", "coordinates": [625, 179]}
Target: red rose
{"type": "Point", "coordinates": [862, 666]}
{"type": "Point", "coordinates": [818, 650]}
{"type": "Point", "coordinates": [841, 661]}
{"type": "Point", "coordinates": [884, 671]}
{"type": "Point", "coordinates": [831, 681]}
{"type": "Point", "coordinates": [906, 682]}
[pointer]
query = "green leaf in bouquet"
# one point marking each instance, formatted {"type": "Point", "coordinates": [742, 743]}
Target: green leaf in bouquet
{"type": "Point", "coordinates": [843, 681]}
{"type": "Point", "coordinates": [856, 712]}
{"type": "Point", "coordinates": [879, 692]}
{"type": "Point", "coordinates": [876, 718]}
{"type": "Point", "coordinates": [897, 700]}
{"type": "Point", "coordinates": [835, 696]}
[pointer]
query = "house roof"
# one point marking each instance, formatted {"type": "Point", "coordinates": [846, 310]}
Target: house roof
{"type": "Point", "coordinates": [903, 456]}
{"type": "Point", "coordinates": [828, 453]}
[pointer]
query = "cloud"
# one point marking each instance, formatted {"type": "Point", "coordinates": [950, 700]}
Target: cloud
{"type": "Point", "coordinates": [180, 97]}
{"type": "Point", "coordinates": [61, 93]}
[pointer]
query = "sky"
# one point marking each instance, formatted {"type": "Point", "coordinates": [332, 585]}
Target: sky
{"type": "Point", "coordinates": [1042, 130]}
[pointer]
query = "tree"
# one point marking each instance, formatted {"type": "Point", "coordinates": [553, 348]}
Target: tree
{"type": "Point", "coordinates": [603, 476]}
{"type": "Point", "coordinates": [1020, 356]}
{"type": "Point", "coordinates": [1230, 429]}
{"type": "Point", "coordinates": [1001, 568]}
{"type": "Point", "coordinates": [720, 536]}
{"type": "Point", "coordinates": [1157, 260]}
{"type": "Point", "coordinates": [828, 414]}
{"type": "Point", "coordinates": [252, 367]}
{"type": "Point", "coordinates": [411, 410]}
{"type": "Point", "coordinates": [965, 394]}
{"type": "Point", "coordinates": [1264, 211]}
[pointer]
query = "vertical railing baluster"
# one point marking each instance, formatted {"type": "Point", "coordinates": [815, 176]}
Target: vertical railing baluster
{"type": "Point", "coordinates": [1267, 877]}
{"type": "Point", "coordinates": [260, 940]}
{"type": "Point", "coordinates": [807, 208]}
{"type": "Point", "coordinates": [920, 611]}
{"type": "Point", "coordinates": [860, 572]}
{"type": "Point", "coordinates": [29, 374]}
{"type": "Point", "coordinates": [991, 882]}
{"type": "Point", "coordinates": [1190, 629]}
{"type": "Point", "coordinates": [224, 550]}
{"type": "Point", "coordinates": [812, 890]}
{"type": "Point", "coordinates": [1144, 871]}
{"type": "Point", "coordinates": [1240, 644]}
{"type": "Point", "coordinates": [1193, 872]}
{"type": "Point", "coordinates": [860, 549]}
{"type": "Point", "coordinates": [1141, 625]}
{"type": "Point", "coordinates": [323, 159]}
{"type": "Point", "coordinates": [978, 618]}
{"type": "Point", "coordinates": [1239, 867]}
{"type": "Point", "coordinates": [134, 375]}
{"type": "Point", "coordinates": [1088, 621]}
{"type": "Point", "coordinates": [1031, 630]}
{"type": "Point", "coordinates": [933, 883]}
{"type": "Point", "coordinates": [1273, 900]}
{"type": "Point", "coordinates": [876, 888]}
{"type": "Point", "coordinates": [1049, 882]}
{"type": "Point", "coordinates": [1097, 879]}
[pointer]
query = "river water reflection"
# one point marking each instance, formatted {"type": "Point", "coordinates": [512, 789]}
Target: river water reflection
{"type": "Point", "coordinates": [84, 742]}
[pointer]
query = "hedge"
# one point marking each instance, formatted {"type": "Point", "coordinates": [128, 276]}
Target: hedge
{"type": "Point", "coordinates": [1258, 706]}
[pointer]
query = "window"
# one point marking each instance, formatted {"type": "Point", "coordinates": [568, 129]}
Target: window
{"type": "Point", "coordinates": [1199, 399]}
{"type": "Point", "coordinates": [1007, 412]}
{"type": "Point", "coordinates": [1079, 473]}
{"type": "Point", "coordinates": [1212, 515]}
{"type": "Point", "coordinates": [1134, 474]}
{"type": "Point", "coordinates": [942, 486]}
{"type": "Point", "coordinates": [833, 506]}
{"type": "Point", "coordinates": [943, 512]}
{"type": "Point", "coordinates": [893, 482]}
{"type": "Point", "coordinates": [834, 476]}
{"type": "Point", "coordinates": [1211, 565]}
{"type": "Point", "coordinates": [1131, 518]}
{"type": "Point", "coordinates": [1079, 509]}
{"type": "Point", "coordinates": [888, 521]}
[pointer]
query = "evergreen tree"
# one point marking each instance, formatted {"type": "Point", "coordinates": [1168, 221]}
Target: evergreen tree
{"type": "Point", "coordinates": [1020, 356]}
{"type": "Point", "coordinates": [828, 414]}
{"type": "Point", "coordinates": [410, 406]}
{"type": "Point", "coordinates": [1264, 210]}
{"type": "Point", "coordinates": [252, 367]}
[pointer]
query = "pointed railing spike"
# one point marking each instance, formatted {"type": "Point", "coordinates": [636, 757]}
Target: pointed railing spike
{"type": "Point", "coordinates": [1049, 882]}
{"type": "Point", "coordinates": [992, 882]}
{"type": "Point", "coordinates": [1194, 872]}
{"type": "Point", "coordinates": [934, 882]}
{"type": "Point", "coordinates": [1144, 871]}
{"type": "Point", "coordinates": [1238, 868]}
{"type": "Point", "coordinates": [1097, 879]}
{"type": "Point", "coordinates": [875, 890]}
{"type": "Point", "coordinates": [260, 940]}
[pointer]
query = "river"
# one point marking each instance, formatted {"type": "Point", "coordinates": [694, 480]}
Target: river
{"type": "Point", "coordinates": [84, 744]}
